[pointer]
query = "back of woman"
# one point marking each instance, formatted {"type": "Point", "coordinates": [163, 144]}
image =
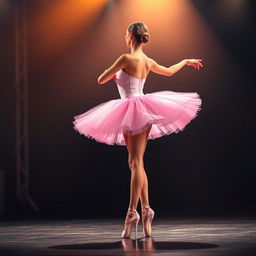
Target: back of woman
{"type": "Point", "coordinates": [137, 65]}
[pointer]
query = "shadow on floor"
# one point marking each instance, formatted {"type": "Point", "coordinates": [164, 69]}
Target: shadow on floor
{"type": "Point", "coordinates": [144, 244]}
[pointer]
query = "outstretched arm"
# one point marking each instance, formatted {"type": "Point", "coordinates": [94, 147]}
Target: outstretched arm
{"type": "Point", "coordinates": [109, 73]}
{"type": "Point", "coordinates": [169, 71]}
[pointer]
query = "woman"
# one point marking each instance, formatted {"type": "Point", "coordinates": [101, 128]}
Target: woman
{"type": "Point", "coordinates": [137, 117]}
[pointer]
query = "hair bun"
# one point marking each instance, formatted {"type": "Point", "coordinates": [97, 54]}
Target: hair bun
{"type": "Point", "coordinates": [145, 37]}
{"type": "Point", "coordinates": [140, 32]}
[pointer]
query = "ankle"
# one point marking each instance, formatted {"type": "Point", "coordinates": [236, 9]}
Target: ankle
{"type": "Point", "coordinates": [132, 209]}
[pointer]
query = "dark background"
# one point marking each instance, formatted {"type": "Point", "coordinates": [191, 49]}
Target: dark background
{"type": "Point", "coordinates": [206, 170]}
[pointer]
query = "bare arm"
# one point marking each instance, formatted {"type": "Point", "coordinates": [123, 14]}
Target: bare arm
{"type": "Point", "coordinates": [109, 73]}
{"type": "Point", "coordinates": [169, 71]}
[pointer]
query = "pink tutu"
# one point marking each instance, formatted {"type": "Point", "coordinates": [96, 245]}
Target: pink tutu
{"type": "Point", "coordinates": [164, 111]}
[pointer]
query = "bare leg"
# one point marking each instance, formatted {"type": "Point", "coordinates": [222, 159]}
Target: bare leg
{"type": "Point", "coordinates": [136, 146]}
{"type": "Point", "coordinates": [144, 198]}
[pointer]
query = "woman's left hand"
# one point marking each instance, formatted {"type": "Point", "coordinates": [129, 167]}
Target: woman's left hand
{"type": "Point", "coordinates": [194, 63]}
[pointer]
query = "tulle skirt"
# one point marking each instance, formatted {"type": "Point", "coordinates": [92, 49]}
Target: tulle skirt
{"type": "Point", "coordinates": [165, 112]}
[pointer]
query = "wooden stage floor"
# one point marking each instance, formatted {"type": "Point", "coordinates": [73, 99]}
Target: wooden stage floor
{"type": "Point", "coordinates": [219, 236]}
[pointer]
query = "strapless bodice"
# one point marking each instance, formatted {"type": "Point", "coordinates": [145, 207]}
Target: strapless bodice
{"type": "Point", "coordinates": [129, 86]}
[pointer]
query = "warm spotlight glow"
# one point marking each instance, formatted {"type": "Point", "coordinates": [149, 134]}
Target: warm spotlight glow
{"type": "Point", "coordinates": [177, 31]}
{"type": "Point", "coordinates": [60, 21]}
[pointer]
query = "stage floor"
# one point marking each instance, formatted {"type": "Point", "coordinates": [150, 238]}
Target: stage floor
{"type": "Point", "coordinates": [175, 236]}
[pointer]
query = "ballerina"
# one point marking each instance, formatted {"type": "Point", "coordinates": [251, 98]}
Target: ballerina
{"type": "Point", "coordinates": [137, 117]}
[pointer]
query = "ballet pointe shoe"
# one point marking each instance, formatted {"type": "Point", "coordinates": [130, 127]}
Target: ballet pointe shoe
{"type": "Point", "coordinates": [147, 219]}
{"type": "Point", "coordinates": [131, 221]}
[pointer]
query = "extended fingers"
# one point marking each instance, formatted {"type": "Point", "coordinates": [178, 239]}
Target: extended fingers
{"type": "Point", "coordinates": [199, 64]}
{"type": "Point", "coordinates": [195, 63]}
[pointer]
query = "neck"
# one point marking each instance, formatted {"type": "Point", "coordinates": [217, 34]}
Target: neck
{"type": "Point", "coordinates": [136, 48]}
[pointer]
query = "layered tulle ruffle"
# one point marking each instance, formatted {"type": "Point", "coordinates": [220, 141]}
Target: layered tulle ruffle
{"type": "Point", "coordinates": [165, 112]}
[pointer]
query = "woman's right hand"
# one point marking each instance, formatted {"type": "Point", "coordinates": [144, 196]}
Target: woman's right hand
{"type": "Point", "coordinates": [194, 63]}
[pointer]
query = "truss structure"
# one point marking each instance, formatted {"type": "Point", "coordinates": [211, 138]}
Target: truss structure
{"type": "Point", "coordinates": [21, 84]}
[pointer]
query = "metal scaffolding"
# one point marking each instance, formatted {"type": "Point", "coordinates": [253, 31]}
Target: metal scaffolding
{"type": "Point", "coordinates": [21, 84]}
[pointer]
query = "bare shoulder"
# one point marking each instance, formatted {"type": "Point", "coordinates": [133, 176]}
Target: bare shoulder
{"type": "Point", "coordinates": [127, 59]}
{"type": "Point", "coordinates": [127, 56]}
{"type": "Point", "coordinates": [157, 68]}
{"type": "Point", "coordinates": [123, 57]}
{"type": "Point", "coordinates": [150, 61]}
{"type": "Point", "coordinates": [120, 62]}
